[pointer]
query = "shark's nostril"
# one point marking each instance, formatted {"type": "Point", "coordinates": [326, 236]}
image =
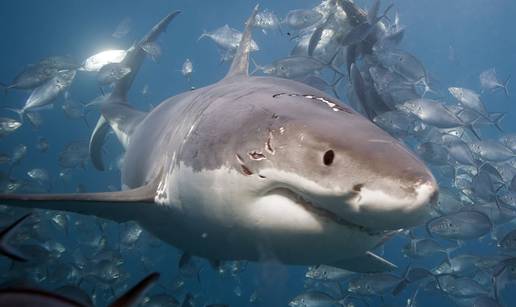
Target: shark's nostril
{"type": "Point", "coordinates": [358, 187]}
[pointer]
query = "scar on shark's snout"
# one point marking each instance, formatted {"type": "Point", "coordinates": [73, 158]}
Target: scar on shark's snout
{"type": "Point", "coordinates": [245, 170]}
{"type": "Point", "coordinates": [254, 155]}
{"type": "Point", "coordinates": [268, 144]}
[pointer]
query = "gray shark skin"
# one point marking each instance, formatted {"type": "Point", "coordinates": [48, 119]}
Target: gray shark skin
{"type": "Point", "coordinates": [257, 168]}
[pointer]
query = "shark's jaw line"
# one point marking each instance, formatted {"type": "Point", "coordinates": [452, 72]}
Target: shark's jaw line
{"type": "Point", "coordinates": [319, 210]}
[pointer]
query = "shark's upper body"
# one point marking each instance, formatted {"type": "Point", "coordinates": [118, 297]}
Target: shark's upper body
{"type": "Point", "coordinates": [259, 167]}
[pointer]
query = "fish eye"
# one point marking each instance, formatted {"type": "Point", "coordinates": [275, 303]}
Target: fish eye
{"type": "Point", "coordinates": [328, 157]}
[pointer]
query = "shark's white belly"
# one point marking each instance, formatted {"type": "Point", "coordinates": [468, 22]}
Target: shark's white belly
{"type": "Point", "coordinates": [210, 215]}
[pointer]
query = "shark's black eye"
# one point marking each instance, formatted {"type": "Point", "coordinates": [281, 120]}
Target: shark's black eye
{"type": "Point", "coordinates": [328, 157]}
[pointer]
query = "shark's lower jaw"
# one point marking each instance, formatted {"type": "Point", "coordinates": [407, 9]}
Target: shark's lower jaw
{"type": "Point", "coordinates": [319, 211]}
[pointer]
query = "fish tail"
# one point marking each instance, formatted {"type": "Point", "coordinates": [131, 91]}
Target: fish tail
{"type": "Point", "coordinates": [505, 86]}
{"type": "Point", "coordinates": [475, 133]}
{"type": "Point", "coordinates": [384, 15]}
{"type": "Point", "coordinates": [498, 120]}
{"type": "Point", "coordinates": [335, 85]}
{"type": "Point", "coordinates": [332, 65]}
{"type": "Point", "coordinates": [403, 283]}
{"type": "Point", "coordinates": [256, 67]}
{"type": "Point", "coordinates": [204, 34]}
{"type": "Point", "coordinates": [20, 112]}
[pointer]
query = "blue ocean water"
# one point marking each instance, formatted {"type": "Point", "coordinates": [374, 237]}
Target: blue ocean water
{"type": "Point", "coordinates": [455, 40]}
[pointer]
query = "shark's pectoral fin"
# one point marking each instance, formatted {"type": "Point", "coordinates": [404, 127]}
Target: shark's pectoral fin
{"type": "Point", "coordinates": [123, 119]}
{"type": "Point", "coordinates": [368, 263]}
{"type": "Point", "coordinates": [118, 206]}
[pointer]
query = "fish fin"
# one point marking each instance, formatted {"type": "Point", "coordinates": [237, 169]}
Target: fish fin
{"type": "Point", "coordinates": [367, 263]}
{"type": "Point", "coordinates": [20, 112]}
{"type": "Point", "coordinates": [351, 57]}
{"type": "Point", "coordinates": [256, 67]}
{"type": "Point", "coordinates": [5, 235]}
{"type": "Point", "coordinates": [505, 86]}
{"type": "Point", "coordinates": [316, 35]}
{"type": "Point", "coordinates": [133, 297]}
{"type": "Point", "coordinates": [97, 139]}
{"type": "Point", "coordinates": [496, 119]}
{"type": "Point", "coordinates": [372, 13]}
{"type": "Point", "coordinates": [123, 119]}
{"type": "Point", "coordinates": [120, 206]}
{"type": "Point", "coordinates": [240, 64]}
{"type": "Point", "coordinates": [403, 283]}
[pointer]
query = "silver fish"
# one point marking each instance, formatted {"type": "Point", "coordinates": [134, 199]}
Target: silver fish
{"type": "Point", "coordinates": [123, 28]}
{"type": "Point", "coordinates": [48, 92]}
{"type": "Point", "coordinates": [152, 49]}
{"type": "Point", "coordinates": [314, 299]}
{"type": "Point", "coordinates": [8, 126]}
{"type": "Point", "coordinates": [462, 225]}
{"type": "Point", "coordinates": [111, 73]}
{"type": "Point", "coordinates": [95, 62]}
{"type": "Point", "coordinates": [431, 112]}
{"type": "Point", "coordinates": [491, 150]}
{"type": "Point", "coordinates": [300, 19]}
{"type": "Point", "coordinates": [187, 69]}
{"type": "Point", "coordinates": [325, 272]}
{"type": "Point", "coordinates": [469, 99]}
{"type": "Point", "coordinates": [489, 81]}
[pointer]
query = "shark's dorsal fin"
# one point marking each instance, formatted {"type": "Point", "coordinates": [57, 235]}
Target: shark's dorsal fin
{"type": "Point", "coordinates": [133, 60]}
{"type": "Point", "coordinates": [120, 206]}
{"type": "Point", "coordinates": [240, 64]}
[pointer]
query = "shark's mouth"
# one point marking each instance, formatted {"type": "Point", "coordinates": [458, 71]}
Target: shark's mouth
{"type": "Point", "coordinates": [313, 208]}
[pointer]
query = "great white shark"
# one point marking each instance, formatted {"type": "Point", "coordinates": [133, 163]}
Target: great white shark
{"type": "Point", "coordinates": [254, 168]}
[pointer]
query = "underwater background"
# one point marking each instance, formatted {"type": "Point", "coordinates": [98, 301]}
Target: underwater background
{"type": "Point", "coordinates": [456, 40]}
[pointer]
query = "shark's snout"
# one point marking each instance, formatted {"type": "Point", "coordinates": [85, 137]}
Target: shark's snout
{"type": "Point", "coordinates": [394, 204]}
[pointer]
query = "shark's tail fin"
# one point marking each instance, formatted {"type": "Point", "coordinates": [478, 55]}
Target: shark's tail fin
{"type": "Point", "coordinates": [134, 60]}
